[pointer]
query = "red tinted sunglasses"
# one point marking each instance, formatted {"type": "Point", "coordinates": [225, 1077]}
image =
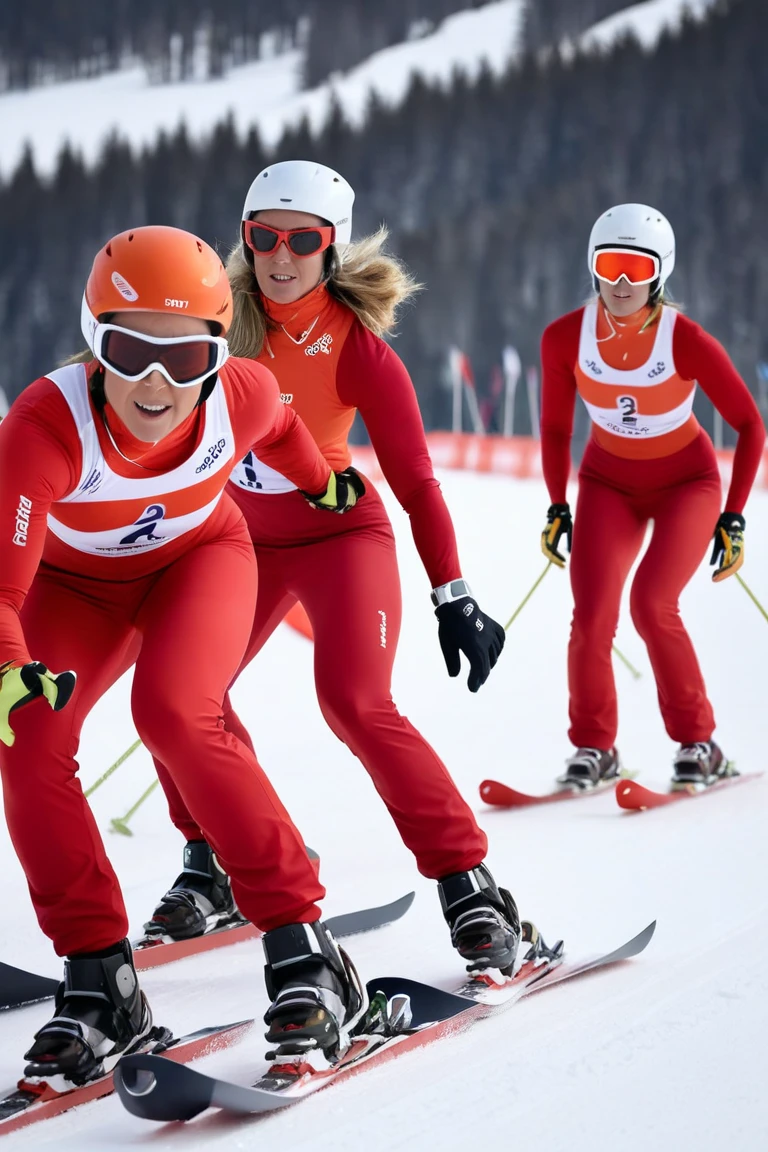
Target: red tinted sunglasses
{"type": "Point", "coordinates": [264, 240]}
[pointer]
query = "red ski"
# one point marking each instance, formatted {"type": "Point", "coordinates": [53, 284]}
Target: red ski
{"type": "Point", "coordinates": [34, 1100]}
{"type": "Point", "coordinates": [634, 797]}
{"type": "Point", "coordinates": [501, 796]}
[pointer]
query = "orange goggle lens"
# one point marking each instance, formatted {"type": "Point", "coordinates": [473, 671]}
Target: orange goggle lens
{"type": "Point", "coordinates": [637, 267]}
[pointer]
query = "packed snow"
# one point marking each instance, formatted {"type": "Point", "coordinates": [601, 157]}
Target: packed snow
{"type": "Point", "coordinates": [667, 1051]}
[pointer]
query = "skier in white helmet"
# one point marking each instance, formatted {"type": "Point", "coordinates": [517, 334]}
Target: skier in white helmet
{"type": "Point", "coordinates": [314, 308]}
{"type": "Point", "coordinates": [636, 361]}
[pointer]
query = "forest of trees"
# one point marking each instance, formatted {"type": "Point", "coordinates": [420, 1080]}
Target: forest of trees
{"type": "Point", "coordinates": [489, 191]}
{"type": "Point", "coordinates": [46, 40]}
{"type": "Point", "coordinates": [548, 21]}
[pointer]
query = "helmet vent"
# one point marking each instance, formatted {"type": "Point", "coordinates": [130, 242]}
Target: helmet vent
{"type": "Point", "coordinates": [130, 237]}
{"type": "Point", "coordinates": [108, 249]}
{"type": "Point", "coordinates": [199, 246]}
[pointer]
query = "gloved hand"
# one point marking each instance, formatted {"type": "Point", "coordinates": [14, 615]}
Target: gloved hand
{"type": "Point", "coordinates": [20, 684]}
{"type": "Point", "coordinates": [463, 627]}
{"type": "Point", "coordinates": [559, 523]}
{"type": "Point", "coordinates": [728, 550]}
{"type": "Point", "coordinates": [343, 492]}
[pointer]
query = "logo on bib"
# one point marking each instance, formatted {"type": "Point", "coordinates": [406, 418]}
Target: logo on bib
{"type": "Point", "coordinates": [213, 454]}
{"type": "Point", "coordinates": [322, 344]}
{"type": "Point", "coordinates": [594, 368]}
{"type": "Point", "coordinates": [147, 522]}
{"type": "Point", "coordinates": [658, 370]}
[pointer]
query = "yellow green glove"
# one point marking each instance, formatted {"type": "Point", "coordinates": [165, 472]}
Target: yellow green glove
{"type": "Point", "coordinates": [343, 492]}
{"type": "Point", "coordinates": [20, 684]}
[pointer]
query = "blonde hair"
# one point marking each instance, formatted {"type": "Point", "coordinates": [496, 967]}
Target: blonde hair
{"type": "Point", "coordinates": [363, 277]}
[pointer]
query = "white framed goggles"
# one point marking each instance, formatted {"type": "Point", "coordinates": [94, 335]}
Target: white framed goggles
{"type": "Point", "coordinates": [185, 361]}
{"type": "Point", "coordinates": [633, 264]}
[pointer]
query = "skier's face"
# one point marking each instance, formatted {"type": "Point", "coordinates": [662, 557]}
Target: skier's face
{"type": "Point", "coordinates": [151, 408]}
{"type": "Point", "coordinates": [281, 276]}
{"type": "Point", "coordinates": [623, 298]}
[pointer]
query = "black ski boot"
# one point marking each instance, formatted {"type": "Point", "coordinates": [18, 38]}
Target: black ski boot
{"type": "Point", "coordinates": [200, 899]}
{"type": "Point", "coordinates": [316, 994]}
{"type": "Point", "coordinates": [590, 767]}
{"type": "Point", "coordinates": [484, 921]}
{"type": "Point", "coordinates": [101, 1014]}
{"type": "Point", "coordinates": [700, 764]}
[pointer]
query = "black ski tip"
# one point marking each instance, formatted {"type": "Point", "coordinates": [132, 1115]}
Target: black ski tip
{"type": "Point", "coordinates": [154, 1088]}
{"type": "Point", "coordinates": [368, 919]}
{"type": "Point", "coordinates": [18, 987]}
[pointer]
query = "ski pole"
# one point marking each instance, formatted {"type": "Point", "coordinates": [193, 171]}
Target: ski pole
{"type": "Point", "coordinates": [626, 662]}
{"type": "Point", "coordinates": [113, 768]}
{"type": "Point", "coordinates": [637, 675]}
{"type": "Point", "coordinates": [752, 596]}
{"type": "Point", "coordinates": [525, 600]}
{"type": "Point", "coordinates": [120, 823]}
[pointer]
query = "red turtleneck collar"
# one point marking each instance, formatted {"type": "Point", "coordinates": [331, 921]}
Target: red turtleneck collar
{"type": "Point", "coordinates": [297, 315]}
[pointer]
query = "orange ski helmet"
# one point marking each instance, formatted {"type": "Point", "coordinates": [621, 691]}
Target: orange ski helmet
{"type": "Point", "coordinates": [157, 269]}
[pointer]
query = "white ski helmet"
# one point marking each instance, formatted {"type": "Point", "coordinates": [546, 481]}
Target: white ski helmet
{"type": "Point", "coordinates": [635, 226]}
{"type": "Point", "coordinates": [304, 186]}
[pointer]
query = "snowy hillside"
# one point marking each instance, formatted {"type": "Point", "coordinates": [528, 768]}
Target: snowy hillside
{"type": "Point", "coordinates": [266, 93]}
{"type": "Point", "coordinates": [666, 1052]}
{"type": "Point", "coordinates": [646, 21]}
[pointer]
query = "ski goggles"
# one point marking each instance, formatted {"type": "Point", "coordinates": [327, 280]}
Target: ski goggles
{"type": "Point", "coordinates": [184, 360]}
{"type": "Point", "coordinates": [610, 264]}
{"type": "Point", "coordinates": [264, 240]}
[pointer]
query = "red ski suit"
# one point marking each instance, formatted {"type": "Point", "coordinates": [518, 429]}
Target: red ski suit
{"type": "Point", "coordinates": [647, 459]}
{"type": "Point", "coordinates": [75, 595]}
{"type": "Point", "coordinates": [343, 569]}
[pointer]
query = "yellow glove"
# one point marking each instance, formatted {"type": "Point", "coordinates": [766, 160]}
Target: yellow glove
{"type": "Point", "coordinates": [343, 492]}
{"type": "Point", "coordinates": [728, 549]}
{"type": "Point", "coordinates": [559, 523]}
{"type": "Point", "coordinates": [20, 684]}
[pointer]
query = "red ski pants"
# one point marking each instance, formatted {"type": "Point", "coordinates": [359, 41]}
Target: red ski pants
{"type": "Point", "coordinates": [343, 569]}
{"type": "Point", "coordinates": [617, 499]}
{"type": "Point", "coordinates": [185, 657]}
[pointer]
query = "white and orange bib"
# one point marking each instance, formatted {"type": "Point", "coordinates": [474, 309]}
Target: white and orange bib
{"type": "Point", "coordinates": [112, 515]}
{"type": "Point", "coordinates": [643, 412]}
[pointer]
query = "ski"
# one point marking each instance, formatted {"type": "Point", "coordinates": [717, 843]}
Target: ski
{"type": "Point", "coordinates": [403, 1014]}
{"type": "Point", "coordinates": [18, 987]}
{"type": "Point", "coordinates": [502, 796]}
{"type": "Point", "coordinates": [34, 1100]}
{"type": "Point", "coordinates": [634, 797]}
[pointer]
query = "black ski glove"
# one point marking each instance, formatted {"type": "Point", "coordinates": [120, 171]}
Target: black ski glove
{"type": "Point", "coordinates": [464, 627]}
{"type": "Point", "coordinates": [343, 492]}
{"type": "Point", "coordinates": [728, 549]}
{"type": "Point", "coordinates": [559, 523]}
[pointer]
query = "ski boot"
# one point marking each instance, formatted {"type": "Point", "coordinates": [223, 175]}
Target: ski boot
{"type": "Point", "coordinates": [317, 997]}
{"type": "Point", "coordinates": [699, 765]}
{"type": "Point", "coordinates": [100, 1015]}
{"type": "Point", "coordinates": [590, 767]}
{"type": "Point", "coordinates": [200, 899]}
{"type": "Point", "coordinates": [484, 921]}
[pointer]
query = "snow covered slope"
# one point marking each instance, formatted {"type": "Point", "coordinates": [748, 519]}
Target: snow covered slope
{"type": "Point", "coordinates": [265, 93]}
{"type": "Point", "coordinates": [667, 1052]}
{"type": "Point", "coordinates": [646, 21]}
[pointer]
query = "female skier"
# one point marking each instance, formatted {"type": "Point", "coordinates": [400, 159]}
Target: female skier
{"type": "Point", "coordinates": [635, 361]}
{"type": "Point", "coordinates": [315, 315]}
{"type": "Point", "coordinates": [116, 537]}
